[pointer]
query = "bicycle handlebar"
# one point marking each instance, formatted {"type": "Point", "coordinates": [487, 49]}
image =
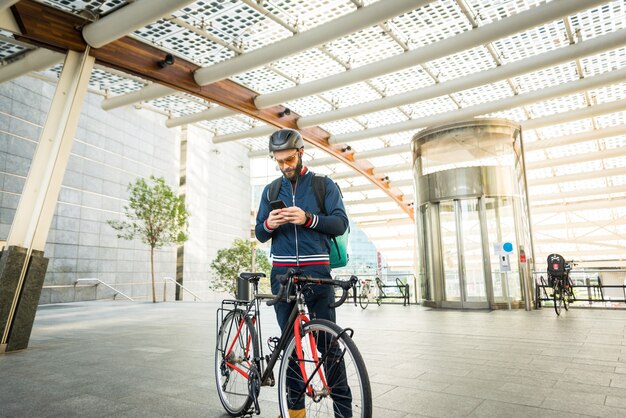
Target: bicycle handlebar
{"type": "Point", "coordinates": [292, 276]}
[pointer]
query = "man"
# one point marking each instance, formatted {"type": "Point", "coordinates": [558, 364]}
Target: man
{"type": "Point", "coordinates": [300, 232]}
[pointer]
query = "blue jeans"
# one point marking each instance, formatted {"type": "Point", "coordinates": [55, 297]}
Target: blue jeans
{"type": "Point", "coordinates": [317, 299]}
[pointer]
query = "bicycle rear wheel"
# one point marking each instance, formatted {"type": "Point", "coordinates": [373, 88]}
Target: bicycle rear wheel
{"type": "Point", "coordinates": [236, 347]}
{"type": "Point", "coordinates": [364, 299]}
{"type": "Point", "coordinates": [347, 392]}
{"type": "Point", "coordinates": [558, 298]}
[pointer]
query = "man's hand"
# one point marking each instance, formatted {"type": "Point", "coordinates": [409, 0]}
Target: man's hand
{"type": "Point", "coordinates": [276, 219]}
{"type": "Point", "coordinates": [294, 215]}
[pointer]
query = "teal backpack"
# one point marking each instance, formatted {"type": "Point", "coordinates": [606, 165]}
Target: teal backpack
{"type": "Point", "coordinates": [339, 243]}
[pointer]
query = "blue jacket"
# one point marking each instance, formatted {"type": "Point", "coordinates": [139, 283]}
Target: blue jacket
{"type": "Point", "coordinates": [305, 246]}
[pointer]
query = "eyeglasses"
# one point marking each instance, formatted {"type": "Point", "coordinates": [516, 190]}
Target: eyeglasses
{"type": "Point", "coordinates": [289, 160]}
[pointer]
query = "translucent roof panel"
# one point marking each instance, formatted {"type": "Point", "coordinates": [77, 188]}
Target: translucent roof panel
{"type": "Point", "coordinates": [558, 105]}
{"type": "Point", "coordinates": [604, 62]}
{"type": "Point", "coordinates": [570, 179]}
{"type": "Point", "coordinates": [458, 65]}
{"type": "Point", "coordinates": [96, 6]}
{"type": "Point", "coordinates": [356, 50]}
{"type": "Point", "coordinates": [176, 105]}
{"type": "Point", "coordinates": [532, 42]}
{"type": "Point", "coordinates": [401, 81]}
{"type": "Point", "coordinates": [431, 23]}
{"type": "Point", "coordinates": [234, 23]}
{"type": "Point", "coordinates": [307, 15]}
{"type": "Point", "coordinates": [351, 95]}
{"type": "Point", "coordinates": [489, 11]}
{"type": "Point", "coordinates": [308, 65]}
{"type": "Point", "coordinates": [184, 42]}
{"type": "Point", "coordinates": [600, 20]}
{"type": "Point", "coordinates": [263, 80]}
{"type": "Point", "coordinates": [546, 77]}
{"type": "Point", "coordinates": [9, 50]}
{"type": "Point", "coordinates": [384, 117]}
{"type": "Point", "coordinates": [482, 94]}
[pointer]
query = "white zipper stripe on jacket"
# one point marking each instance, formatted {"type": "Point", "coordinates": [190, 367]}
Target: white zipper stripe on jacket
{"type": "Point", "coordinates": [302, 257]}
{"type": "Point", "coordinates": [295, 227]}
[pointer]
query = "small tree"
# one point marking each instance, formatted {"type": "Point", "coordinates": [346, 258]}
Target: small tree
{"type": "Point", "coordinates": [155, 215]}
{"type": "Point", "coordinates": [229, 262]}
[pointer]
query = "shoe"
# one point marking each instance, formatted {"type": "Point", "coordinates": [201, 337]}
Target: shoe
{"type": "Point", "coordinates": [296, 413]}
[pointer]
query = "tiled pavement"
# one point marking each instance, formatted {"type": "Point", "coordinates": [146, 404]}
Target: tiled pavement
{"type": "Point", "coordinates": [124, 359]}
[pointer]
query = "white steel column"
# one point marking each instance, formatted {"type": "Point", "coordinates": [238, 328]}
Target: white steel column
{"type": "Point", "coordinates": [378, 171]}
{"type": "Point", "coordinates": [7, 21]}
{"type": "Point", "coordinates": [131, 17]}
{"type": "Point", "coordinates": [371, 186]}
{"type": "Point", "coordinates": [485, 108]}
{"type": "Point", "coordinates": [37, 60]}
{"type": "Point", "coordinates": [586, 205]}
{"type": "Point", "coordinates": [577, 114]}
{"type": "Point", "coordinates": [254, 132]}
{"type": "Point", "coordinates": [588, 193]}
{"type": "Point", "coordinates": [575, 138]}
{"type": "Point", "coordinates": [213, 113]}
{"type": "Point", "coordinates": [565, 178]}
{"type": "Point", "coordinates": [578, 158]}
{"type": "Point", "coordinates": [364, 155]}
{"type": "Point", "coordinates": [5, 4]}
{"type": "Point", "coordinates": [547, 59]}
{"type": "Point", "coordinates": [367, 201]}
{"type": "Point", "coordinates": [23, 264]}
{"type": "Point", "coordinates": [470, 39]}
{"type": "Point", "coordinates": [344, 25]}
{"type": "Point", "coordinates": [41, 190]}
{"type": "Point", "coordinates": [150, 92]}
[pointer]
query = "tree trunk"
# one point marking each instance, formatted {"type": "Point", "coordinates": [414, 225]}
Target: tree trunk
{"type": "Point", "coordinates": [152, 271]}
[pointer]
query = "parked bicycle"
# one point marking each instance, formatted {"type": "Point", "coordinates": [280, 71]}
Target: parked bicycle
{"type": "Point", "coordinates": [319, 361]}
{"type": "Point", "coordinates": [558, 278]}
{"type": "Point", "coordinates": [364, 293]}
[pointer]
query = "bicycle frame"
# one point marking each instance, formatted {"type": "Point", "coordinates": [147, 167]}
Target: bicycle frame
{"type": "Point", "coordinates": [296, 319]}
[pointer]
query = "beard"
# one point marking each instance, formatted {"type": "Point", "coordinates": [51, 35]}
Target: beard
{"type": "Point", "coordinates": [292, 173]}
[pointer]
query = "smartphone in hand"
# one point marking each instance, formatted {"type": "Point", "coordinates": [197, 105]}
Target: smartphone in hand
{"type": "Point", "coordinates": [277, 204]}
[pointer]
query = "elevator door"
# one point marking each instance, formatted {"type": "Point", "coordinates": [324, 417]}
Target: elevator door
{"type": "Point", "coordinates": [462, 255]}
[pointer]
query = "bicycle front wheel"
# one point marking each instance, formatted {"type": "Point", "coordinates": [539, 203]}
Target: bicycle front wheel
{"type": "Point", "coordinates": [558, 298]}
{"type": "Point", "coordinates": [337, 381]}
{"type": "Point", "coordinates": [364, 299]}
{"type": "Point", "coordinates": [235, 350]}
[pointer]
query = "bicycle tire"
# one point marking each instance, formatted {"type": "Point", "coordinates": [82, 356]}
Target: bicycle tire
{"type": "Point", "coordinates": [364, 299]}
{"type": "Point", "coordinates": [232, 386]}
{"type": "Point", "coordinates": [356, 383]}
{"type": "Point", "coordinates": [570, 291]}
{"type": "Point", "coordinates": [558, 298]}
{"type": "Point", "coordinates": [568, 295]}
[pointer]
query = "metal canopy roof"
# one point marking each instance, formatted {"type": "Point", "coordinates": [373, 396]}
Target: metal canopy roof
{"type": "Point", "coordinates": [558, 67]}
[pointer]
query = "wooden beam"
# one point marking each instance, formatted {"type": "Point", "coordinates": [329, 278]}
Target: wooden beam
{"type": "Point", "coordinates": [51, 28]}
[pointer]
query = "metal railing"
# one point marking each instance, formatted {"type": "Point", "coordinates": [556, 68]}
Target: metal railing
{"type": "Point", "coordinates": [165, 279]}
{"type": "Point", "coordinates": [588, 286]}
{"type": "Point", "coordinates": [105, 284]}
{"type": "Point", "coordinates": [400, 289]}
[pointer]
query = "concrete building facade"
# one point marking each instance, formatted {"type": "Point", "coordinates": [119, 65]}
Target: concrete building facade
{"type": "Point", "coordinates": [110, 150]}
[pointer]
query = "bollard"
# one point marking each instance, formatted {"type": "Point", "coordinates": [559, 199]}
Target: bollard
{"type": "Point", "coordinates": [243, 289]}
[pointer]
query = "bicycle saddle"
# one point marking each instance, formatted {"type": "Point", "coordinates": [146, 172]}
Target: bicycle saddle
{"type": "Point", "coordinates": [251, 277]}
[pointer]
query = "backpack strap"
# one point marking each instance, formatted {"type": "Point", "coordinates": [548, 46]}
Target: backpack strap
{"type": "Point", "coordinates": [319, 188]}
{"type": "Point", "coordinates": [274, 190]}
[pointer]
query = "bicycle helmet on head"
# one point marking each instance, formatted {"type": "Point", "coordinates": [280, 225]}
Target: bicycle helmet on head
{"type": "Point", "coordinates": [286, 139]}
